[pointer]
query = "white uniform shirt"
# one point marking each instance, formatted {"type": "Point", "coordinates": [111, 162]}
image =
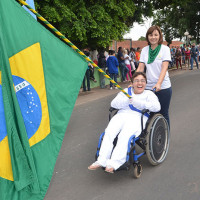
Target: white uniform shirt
{"type": "Point", "coordinates": [146, 100]}
{"type": "Point", "coordinates": [127, 61]}
{"type": "Point", "coordinates": [154, 69]}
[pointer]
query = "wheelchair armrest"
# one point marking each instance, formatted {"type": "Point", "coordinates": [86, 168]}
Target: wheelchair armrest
{"type": "Point", "coordinates": [145, 111]}
{"type": "Point", "coordinates": [111, 109]}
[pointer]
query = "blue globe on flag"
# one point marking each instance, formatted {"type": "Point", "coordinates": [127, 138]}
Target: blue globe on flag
{"type": "Point", "coordinates": [29, 103]}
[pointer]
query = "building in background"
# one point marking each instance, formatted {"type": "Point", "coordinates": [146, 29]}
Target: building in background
{"type": "Point", "coordinates": [128, 43]}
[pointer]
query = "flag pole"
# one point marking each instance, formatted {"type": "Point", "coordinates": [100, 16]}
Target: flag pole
{"type": "Point", "coordinates": [72, 45]}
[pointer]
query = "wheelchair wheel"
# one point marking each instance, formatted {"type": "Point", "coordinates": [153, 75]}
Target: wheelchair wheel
{"type": "Point", "coordinates": [157, 139]}
{"type": "Point", "coordinates": [137, 170]}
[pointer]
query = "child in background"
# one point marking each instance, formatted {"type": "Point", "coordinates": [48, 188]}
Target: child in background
{"type": "Point", "coordinates": [112, 64]}
{"type": "Point", "coordinates": [127, 60]}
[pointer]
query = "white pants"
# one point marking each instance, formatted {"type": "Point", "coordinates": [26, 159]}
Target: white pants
{"type": "Point", "coordinates": [126, 124]}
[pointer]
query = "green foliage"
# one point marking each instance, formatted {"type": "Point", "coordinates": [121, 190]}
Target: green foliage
{"type": "Point", "coordinates": [142, 38]}
{"type": "Point", "coordinates": [177, 16]}
{"type": "Point", "coordinates": [93, 23]}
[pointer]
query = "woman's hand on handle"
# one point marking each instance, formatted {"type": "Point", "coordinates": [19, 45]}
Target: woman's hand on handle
{"type": "Point", "coordinates": [157, 87]}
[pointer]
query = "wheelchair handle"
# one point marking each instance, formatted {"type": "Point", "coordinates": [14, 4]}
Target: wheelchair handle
{"type": "Point", "coordinates": [154, 90]}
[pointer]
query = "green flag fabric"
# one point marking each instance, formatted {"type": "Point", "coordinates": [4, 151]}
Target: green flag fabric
{"type": "Point", "coordinates": [40, 77]}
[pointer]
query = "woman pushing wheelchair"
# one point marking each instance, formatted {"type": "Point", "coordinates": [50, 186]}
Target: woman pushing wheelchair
{"type": "Point", "coordinates": [125, 123]}
{"type": "Point", "coordinates": [155, 58]}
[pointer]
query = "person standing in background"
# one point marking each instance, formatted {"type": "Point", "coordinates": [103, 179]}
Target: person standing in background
{"type": "Point", "coordinates": [122, 65]}
{"type": "Point", "coordinates": [128, 64]}
{"type": "Point", "coordinates": [112, 64]}
{"type": "Point", "coordinates": [87, 74]}
{"type": "Point", "coordinates": [173, 51]}
{"type": "Point", "coordinates": [194, 53]}
{"type": "Point", "coordinates": [183, 53]}
{"type": "Point", "coordinates": [132, 56]}
{"type": "Point", "coordinates": [137, 57]}
{"type": "Point", "coordinates": [178, 57]}
{"type": "Point", "coordinates": [102, 65]}
{"type": "Point", "coordinates": [187, 57]}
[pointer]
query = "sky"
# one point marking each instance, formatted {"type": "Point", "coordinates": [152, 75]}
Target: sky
{"type": "Point", "coordinates": [138, 30]}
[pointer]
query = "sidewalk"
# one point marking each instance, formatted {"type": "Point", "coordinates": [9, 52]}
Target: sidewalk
{"type": "Point", "coordinates": [97, 93]}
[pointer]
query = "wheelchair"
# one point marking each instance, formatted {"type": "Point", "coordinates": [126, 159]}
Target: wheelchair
{"type": "Point", "coordinates": [153, 141]}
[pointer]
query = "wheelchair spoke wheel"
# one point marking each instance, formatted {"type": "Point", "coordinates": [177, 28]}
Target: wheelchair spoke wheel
{"type": "Point", "coordinates": [137, 170]}
{"type": "Point", "coordinates": [157, 139]}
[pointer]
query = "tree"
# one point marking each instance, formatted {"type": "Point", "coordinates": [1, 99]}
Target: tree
{"type": "Point", "coordinates": [178, 16]}
{"type": "Point", "coordinates": [93, 23]}
{"type": "Point", "coordinates": [142, 38]}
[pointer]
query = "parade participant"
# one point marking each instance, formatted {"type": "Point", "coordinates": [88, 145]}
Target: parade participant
{"type": "Point", "coordinates": [156, 58]}
{"type": "Point", "coordinates": [125, 123]}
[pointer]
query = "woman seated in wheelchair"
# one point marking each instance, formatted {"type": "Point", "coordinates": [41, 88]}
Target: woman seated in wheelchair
{"type": "Point", "coordinates": [125, 123]}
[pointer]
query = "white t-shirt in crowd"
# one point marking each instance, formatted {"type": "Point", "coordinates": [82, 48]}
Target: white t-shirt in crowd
{"type": "Point", "coordinates": [153, 69]}
{"type": "Point", "coordinates": [127, 61]}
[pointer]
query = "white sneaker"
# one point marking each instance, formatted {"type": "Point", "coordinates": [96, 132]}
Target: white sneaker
{"type": "Point", "coordinates": [116, 88]}
{"type": "Point", "coordinates": [111, 88]}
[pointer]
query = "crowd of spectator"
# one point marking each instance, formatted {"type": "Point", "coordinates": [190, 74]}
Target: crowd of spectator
{"type": "Point", "coordinates": [185, 55]}
{"type": "Point", "coordinates": [127, 60]}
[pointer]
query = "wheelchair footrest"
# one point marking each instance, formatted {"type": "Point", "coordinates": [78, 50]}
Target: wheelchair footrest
{"type": "Point", "coordinates": [126, 166]}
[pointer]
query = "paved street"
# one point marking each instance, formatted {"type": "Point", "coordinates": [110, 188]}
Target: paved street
{"type": "Point", "coordinates": [178, 178]}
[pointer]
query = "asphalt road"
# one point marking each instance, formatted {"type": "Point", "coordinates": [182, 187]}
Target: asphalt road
{"type": "Point", "coordinates": [177, 178]}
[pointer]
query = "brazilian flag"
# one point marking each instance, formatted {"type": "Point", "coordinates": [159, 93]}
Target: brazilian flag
{"type": "Point", "coordinates": [40, 77]}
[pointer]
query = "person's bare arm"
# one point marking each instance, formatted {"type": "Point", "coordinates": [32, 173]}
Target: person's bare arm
{"type": "Point", "coordinates": [140, 67]}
